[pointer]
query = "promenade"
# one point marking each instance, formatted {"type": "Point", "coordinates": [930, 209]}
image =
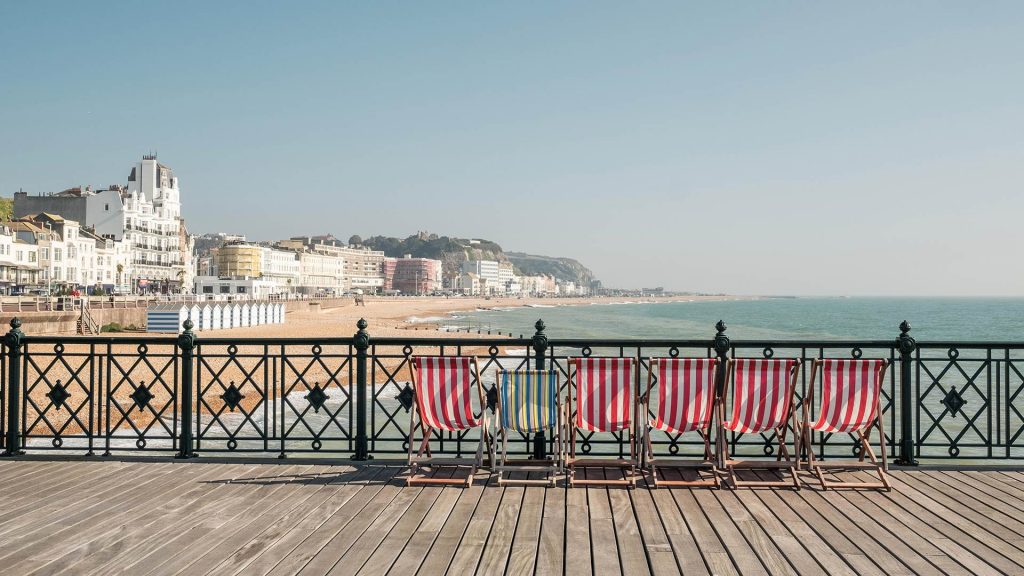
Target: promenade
{"type": "Point", "coordinates": [161, 516]}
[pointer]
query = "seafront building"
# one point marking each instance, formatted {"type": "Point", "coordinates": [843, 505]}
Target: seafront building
{"type": "Point", "coordinates": [417, 276]}
{"type": "Point", "coordinates": [145, 215]}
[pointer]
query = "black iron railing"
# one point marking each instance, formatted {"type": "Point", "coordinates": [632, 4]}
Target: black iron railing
{"type": "Point", "coordinates": [351, 396]}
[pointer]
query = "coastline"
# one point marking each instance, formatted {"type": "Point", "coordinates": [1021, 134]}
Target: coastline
{"type": "Point", "coordinates": [398, 316]}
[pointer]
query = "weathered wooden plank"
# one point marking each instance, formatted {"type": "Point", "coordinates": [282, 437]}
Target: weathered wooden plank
{"type": "Point", "coordinates": [391, 546]}
{"type": "Point", "coordinates": [684, 548]}
{"type": "Point", "coordinates": [711, 546]}
{"type": "Point", "coordinates": [957, 515]}
{"type": "Point", "coordinates": [655, 539]}
{"type": "Point", "coordinates": [916, 532]}
{"type": "Point", "coordinates": [203, 555]}
{"type": "Point", "coordinates": [577, 533]}
{"type": "Point", "coordinates": [262, 497]}
{"type": "Point", "coordinates": [335, 497]}
{"type": "Point", "coordinates": [522, 558]}
{"type": "Point", "coordinates": [329, 555]}
{"type": "Point", "coordinates": [465, 556]}
{"type": "Point", "coordinates": [104, 540]}
{"type": "Point", "coordinates": [494, 556]}
{"type": "Point", "coordinates": [758, 524]}
{"type": "Point", "coordinates": [939, 518]}
{"type": "Point", "coordinates": [551, 546]}
{"type": "Point", "coordinates": [1000, 515]}
{"type": "Point", "coordinates": [28, 542]}
{"type": "Point", "coordinates": [90, 502]}
{"type": "Point", "coordinates": [415, 551]}
{"type": "Point", "coordinates": [375, 480]}
{"type": "Point", "coordinates": [446, 543]}
{"type": "Point", "coordinates": [632, 553]}
{"type": "Point", "coordinates": [745, 558]}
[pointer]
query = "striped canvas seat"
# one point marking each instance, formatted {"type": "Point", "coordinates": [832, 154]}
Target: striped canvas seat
{"type": "Point", "coordinates": [849, 395]}
{"type": "Point", "coordinates": [443, 391]}
{"type": "Point", "coordinates": [528, 400]}
{"type": "Point", "coordinates": [604, 394]}
{"type": "Point", "coordinates": [762, 394]}
{"type": "Point", "coordinates": [686, 394]}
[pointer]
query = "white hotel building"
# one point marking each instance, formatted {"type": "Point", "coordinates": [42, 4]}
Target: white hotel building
{"type": "Point", "coordinates": [145, 215]}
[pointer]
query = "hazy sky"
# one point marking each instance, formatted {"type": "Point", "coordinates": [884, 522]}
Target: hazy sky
{"type": "Point", "coordinates": [754, 148]}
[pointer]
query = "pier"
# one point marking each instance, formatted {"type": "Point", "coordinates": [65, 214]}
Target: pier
{"type": "Point", "coordinates": [206, 455]}
{"type": "Point", "coordinates": [96, 516]}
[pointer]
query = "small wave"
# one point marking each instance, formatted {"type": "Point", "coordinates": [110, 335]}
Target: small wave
{"type": "Point", "coordinates": [539, 306]}
{"type": "Point", "coordinates": [426, 319]}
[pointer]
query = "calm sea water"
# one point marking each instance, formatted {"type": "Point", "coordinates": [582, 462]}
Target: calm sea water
{"type": "Point", "coordinates": [974, 319]}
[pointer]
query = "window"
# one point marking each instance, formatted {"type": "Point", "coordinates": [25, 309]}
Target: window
{"type": "Point", "coordinates": [56, 254]}
{"type": "Point", "coordinates": [207, 289]}
{"type": "Point", "coordinates": [225, 289]}
{"type": "Point", "coordinates": [46, 253]}
{"type": "Point", "coordinates": [106, 207]}
{"type": "Point", "coordinates": [240, 289]}
{"type": "Point", "coordinates": [31, 256]}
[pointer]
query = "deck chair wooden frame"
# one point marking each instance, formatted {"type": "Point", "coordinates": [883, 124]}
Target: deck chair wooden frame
{"type": "Point", "coordinates": [699, 416]}
{"type": "Point", "coordinates": [422, 456]}
{"type": "Point", "coordinates": [784, 461]}
{"type": "Point", "coordinates": [550, 467]}
{"type": "Point", "coordinates": [858, 425]}
{"type": "Point", "coordinates": [628, 466]}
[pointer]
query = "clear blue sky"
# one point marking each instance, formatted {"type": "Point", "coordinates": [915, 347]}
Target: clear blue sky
{"type": "Point", "coordinates": [763, 147]}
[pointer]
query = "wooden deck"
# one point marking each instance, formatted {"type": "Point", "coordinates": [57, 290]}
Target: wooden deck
{"type": "Point", "coordinates": [162, 517]}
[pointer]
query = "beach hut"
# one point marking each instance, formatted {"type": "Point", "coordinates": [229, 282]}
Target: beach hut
{"type": "Point", "coordinates": [236, 315]}
{"type": "Point", "coordinates": [279, 313]}
{"type": "Point", "coordinates": [263, 313]}
{"type": "Point", "coordinates": [246, 317]}
{"type": "Point", "coordinates": [206, 314]}
{"type": "Point", "coordinates": [195, 314]}
{"type": "Point", "coordinates": [254, 314]}
{"type": "Point", "coordinates": [225, 316]}
{"type": "Point", "coordinates": [216, 316]}
{"type": "Point", "coordinates": [166, 318]}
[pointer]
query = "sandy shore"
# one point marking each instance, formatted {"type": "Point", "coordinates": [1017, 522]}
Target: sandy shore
{"type": "Point", "coordinates": [398, 316]}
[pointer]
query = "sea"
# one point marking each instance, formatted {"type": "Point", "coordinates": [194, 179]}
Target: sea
{"type": "Point", "coordinates": [931, 319]}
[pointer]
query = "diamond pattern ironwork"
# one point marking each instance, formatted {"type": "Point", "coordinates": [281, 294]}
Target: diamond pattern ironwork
{"type": "Point", "coordinates": [232, 397]}
{"type": "Point", "coordinates": [953, 401]}
{"type": "Point", "coordinates": [317, 397]}
{"type": "Point", "coordinates": [406, 397]}
{"type": "Point", "coordinates": [492, 398]}
{"type": "Point", "coordinates": [58, 394]}
{"type": "Point", "coordinates": [142, 396]}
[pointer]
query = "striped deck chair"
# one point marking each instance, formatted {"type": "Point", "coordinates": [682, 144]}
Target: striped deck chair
{"type": "Point", "coordinates": [527, 404]}
{"type": "Point", "coordinates": [606, 399]}
{"type": "Point", "coordinates": [851, 404]}
{"type": "Point", "coordinates": [686, 403]}
{"type": "Point", "coordinates": [762, 402]}
{"type": "Point", "coordinates": [443, 387]}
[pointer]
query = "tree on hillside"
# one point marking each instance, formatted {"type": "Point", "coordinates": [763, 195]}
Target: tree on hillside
{"type": "Point", "coordinates": [6, 209]}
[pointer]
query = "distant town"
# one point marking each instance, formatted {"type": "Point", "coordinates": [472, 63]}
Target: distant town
{"type": "Point", "coordinates": [132, 239]}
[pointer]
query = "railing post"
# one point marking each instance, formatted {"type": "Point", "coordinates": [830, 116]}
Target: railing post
{"type": "Point", "coordinates": [187, 343]}
{"type": "Point", "coordinates": [907, 346]}
{"type": "Point", "coordinates": [13, 342]}
{"type": "Point", "coordinates": [361, 341]}
{"type": "Point", "coordinates": [722, 346]}
{"type": "Point", "coordinates": [540, 349]}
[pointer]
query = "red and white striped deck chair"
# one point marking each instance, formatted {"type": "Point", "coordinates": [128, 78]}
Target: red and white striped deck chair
{"type": "Point", "coordinates": [686, 403]}
{"type": "Point", "coordinates": [761, 392]}
{"type": "Point", "coordinates": [605, 393]}
{"type": "Point", "coordinates": [851, 393]}
{"type": "Point", "coordinates": [444, 403]}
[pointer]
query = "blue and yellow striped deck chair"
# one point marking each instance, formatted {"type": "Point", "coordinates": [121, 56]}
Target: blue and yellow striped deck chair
{"type": "Point", "coordinates": [527, 404]}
